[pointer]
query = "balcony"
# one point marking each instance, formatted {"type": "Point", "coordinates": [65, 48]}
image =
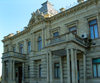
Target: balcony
{"type": "Point", "coordinates": [66, 38]}
{"type": "Point", "coordinates": [13, 54]}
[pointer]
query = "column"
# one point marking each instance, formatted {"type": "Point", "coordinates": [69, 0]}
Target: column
{"type": "Point", "coordinates": [51, 71]}
{"type": "Point", "coordinates": [3, 72]}
{"type": "Point", "coordinates": [14, 71]}
{"type": "Point", "coordinates": [73, 65]}
{"type": "Point", "coordinates": [68, 66]}
{"type": "Point", "coordinates": [76, 70]}
{"type": "Point", "coordinates": [32, 44]}
{"type": "Point", "coordinates": [48, 68]}
{"type": "Point", "coordinates": [84, 65]}
{"type": "Point", "coordinates": [22, 72]}
{"type": "Point", "coordinates": [61, 70]}
{"type": "Point", "coordinates": [10, 73]}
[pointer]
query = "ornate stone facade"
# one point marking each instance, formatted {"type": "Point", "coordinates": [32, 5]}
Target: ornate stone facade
{"type": "Point", "coordinates": [58, 48]}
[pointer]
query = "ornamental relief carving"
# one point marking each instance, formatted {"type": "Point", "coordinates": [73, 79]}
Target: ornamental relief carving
{"type": "Point", "coordinates": [36, 17]}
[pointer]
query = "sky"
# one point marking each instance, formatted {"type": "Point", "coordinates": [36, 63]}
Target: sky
{"type": "Point", "coordinates": [15, 15]}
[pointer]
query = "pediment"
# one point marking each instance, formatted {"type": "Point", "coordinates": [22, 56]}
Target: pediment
{"type": "Point", "coordinates": [36, 17]}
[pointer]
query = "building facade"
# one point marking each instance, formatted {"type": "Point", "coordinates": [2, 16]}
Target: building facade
{"type": "Point", "coordinates": [55, 47]}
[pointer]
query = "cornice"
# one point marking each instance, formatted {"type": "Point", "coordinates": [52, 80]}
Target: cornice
{"type": "Point", "coordinates": [55, 17]}
{"type": "Point", "coordinates": [73, 9]}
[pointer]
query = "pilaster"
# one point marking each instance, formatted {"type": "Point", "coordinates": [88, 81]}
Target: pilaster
{"type": "Point", "coordinates": [3, 72]}
{"type": "Point", "coordinates": [51, 70]}
{"type": "Point", "coordinates": [84, 65]}
{"type": "Point", "coordinates": [48, 78]}
{"type": "Point", "coordinates": [13, 71]}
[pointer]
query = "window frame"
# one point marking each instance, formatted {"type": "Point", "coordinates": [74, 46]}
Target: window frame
{"type": "Point", "coordinates": [93, 28]}
{"type": "Point", "coordinates": [55, 35]}
{"type": "Point", "coordinates": [21, 48]}
{"type": "Point", "coordinates": [14, 49]}
{"type": "Point", "coordinates": [96, 68]}
{"type": "Point", "coordinates": [28, 47]}
{"type": "Point", "coordinates": [58, 76]}
{"type": "Point", "coordinates": [39, 42]}
{"type": "Point", "coordinates": [74, 31]}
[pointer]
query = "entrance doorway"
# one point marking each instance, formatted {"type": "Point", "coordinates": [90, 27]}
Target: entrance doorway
{"type": "Point", "coordinates": [19, 74]}
{"type": "Point", "coordinates": [78, 71]}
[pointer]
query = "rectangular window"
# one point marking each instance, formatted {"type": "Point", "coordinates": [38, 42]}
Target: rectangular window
{"type": "Point", "coordinates": [39, 43]}
{"type": "Point", "coordinates": [29, 47]}
{"type": "Point", "coordinates": [57, 70]}
{"type": "Point", "coordinates": [40, 71]}
{"type": "Point", "coordinates": [55, 34]}
{"type": "Point", "coordinates": [14, 49]}
{"type": "Point", "coordinates": [73, 30]}
{"type": "Point", "coordinates": [93, 29]}
{"type": "Point", "coordinates": [21, 49]}
{"type": "Point", "coordinates": [96, 68]}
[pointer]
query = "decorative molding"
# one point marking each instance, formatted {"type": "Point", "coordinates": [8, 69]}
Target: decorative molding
{"type": "Point", "coordinates": [38, 18]}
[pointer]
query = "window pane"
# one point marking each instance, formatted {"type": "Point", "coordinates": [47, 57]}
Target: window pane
{"type": "Point", "coordinates": [96, 31]}
{"type": "Point", "coordinates": [98, 70]}
{"type": "Point", "coordinates": [55, 34]}
{"type": "Point", "coordinates": [94, 71]}
{"type": "Point", "coordinates": [91, 32]}
{"type": "Point", "coordinates": [29, 46]}
{"type": "Point", "coordinates": [93, 22]}
{"type": "Point", "coordinates": [96, 60]}
{"type": "Point", "coordinates": [39, 43]}
{"type": "Point", "coordinates": [14, 49]}
{"type": "Point", "coordinates": [21, 48]}
{"type": "Point", "coordinates": [73, 29]}
{"type": "Point", "coordinates": [57, 70]}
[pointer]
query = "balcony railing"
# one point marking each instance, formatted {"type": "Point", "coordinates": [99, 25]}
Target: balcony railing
{"type": "Point", "coordinates": [66, 38]}
{"type": "Point", "coordinates": [13, 54]}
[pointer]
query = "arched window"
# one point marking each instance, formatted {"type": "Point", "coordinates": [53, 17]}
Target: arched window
{"type": "Point", "coordinates": [39, 43]}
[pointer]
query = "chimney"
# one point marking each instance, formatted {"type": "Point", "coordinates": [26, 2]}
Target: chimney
{"type": "Point", "coordinates": [80, 1]}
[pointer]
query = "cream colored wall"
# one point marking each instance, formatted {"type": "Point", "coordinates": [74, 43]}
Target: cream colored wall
{"type": "Point", "coordinates": [44, 30]}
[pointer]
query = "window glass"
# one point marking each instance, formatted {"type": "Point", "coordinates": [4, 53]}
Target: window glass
{"type": "Point", "coordinates": [57, 70]}
{"type": "Point", "coordinates": [92, 33]}
{"type": "Point", "coordinates": [93, 29]}
{"type": "Point", "coordinates": [73, 29]}
{"type": "Point", "coordinates": [29, 47]}
{"type": "Point", "coordinates": [98, 70]}
{"type": "Point", "coordinates": [95, 71]}
{"type": "Point", "coordinates": [96, 67]}
{"type": "Point", "coordinates": [93, 22]}
{"type": "Point", "coordinates": [21, 48]}
{"type": "Point", "coordinates": [39, 43]}
{"type": "Point", "coordinates": [96, 31]}
{"type": "Point", "coordinates": [14, 49]}
{"type": "Point", "coordinates": [96, 60]}
{"type": "Point", "coordinates": [55, 34]}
